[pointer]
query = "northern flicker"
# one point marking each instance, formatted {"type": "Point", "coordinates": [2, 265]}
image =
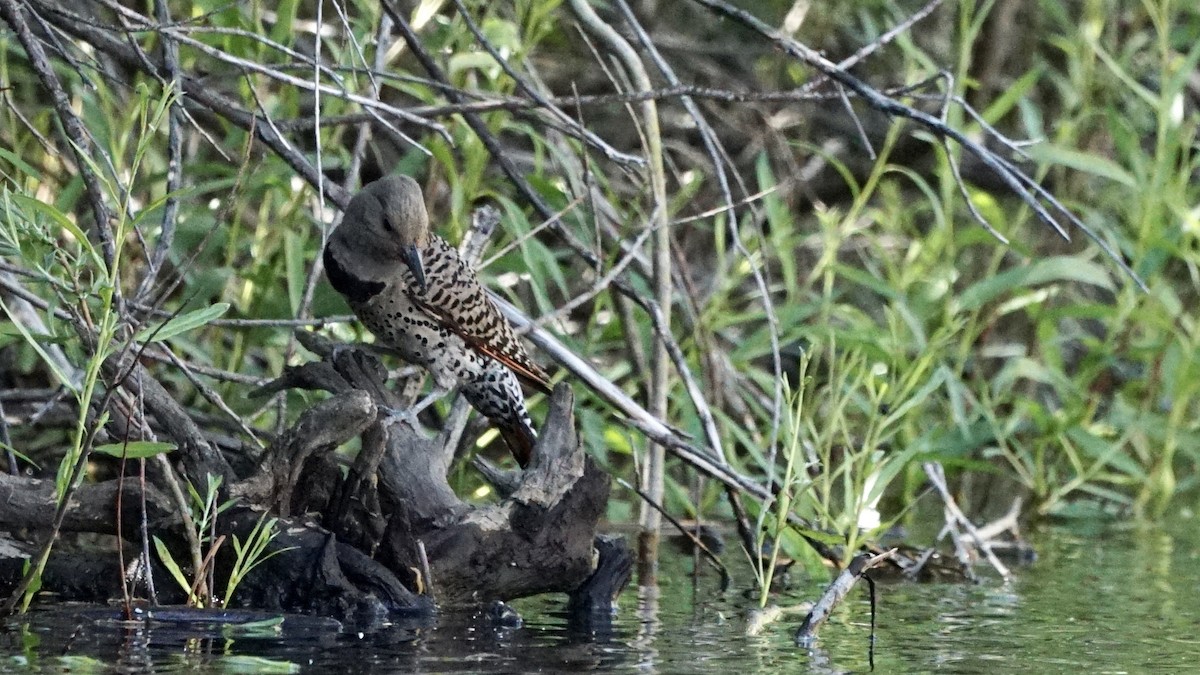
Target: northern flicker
{"type": "Point", "coordinates": [413, 291]}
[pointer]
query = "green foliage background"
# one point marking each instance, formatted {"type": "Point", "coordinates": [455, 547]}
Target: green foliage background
{"type": "Point", "coordinates": [1034, 369]}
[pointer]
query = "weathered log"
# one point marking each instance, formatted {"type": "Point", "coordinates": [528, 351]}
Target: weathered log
{"type": "Point", "coordinates": [321, 428]}
{"type": "Point", "coordinates": [537, 540]}
{"type": "Point", "coordinates": [29, 503]}
{"type": "Point", "coordinates": [312, 572]}
{"type": "Point", "coordinates": [395, 499]}
{"type": "Point", "coordinates": [594, 600]}
{"type": "Point", "coordinates": [75, 576]}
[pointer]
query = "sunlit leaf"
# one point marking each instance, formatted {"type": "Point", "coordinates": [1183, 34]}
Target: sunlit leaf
{"type": "Point", "coordinates": [256, 664]}
{"type": "Point", "coordinates": [134, 449]}
{"type": "Point", "coordinates": [1082, 161]}
{"type": "Point", "coordinates": [182, 323]}
{"type": "Point", "coordinates": [168, 561]}
{"type": "Point", "coordinates": [1046, 270]}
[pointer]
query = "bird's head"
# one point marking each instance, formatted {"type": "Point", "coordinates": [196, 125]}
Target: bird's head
{"type": "Point", "coordinates": [387, 219]}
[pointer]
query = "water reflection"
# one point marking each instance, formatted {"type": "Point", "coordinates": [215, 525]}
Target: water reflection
{"type": "Point", "coordinates": [1117, 600]}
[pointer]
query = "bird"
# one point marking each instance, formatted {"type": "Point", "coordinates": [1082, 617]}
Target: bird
{"type": "Point", "coordinates": [413, 291]}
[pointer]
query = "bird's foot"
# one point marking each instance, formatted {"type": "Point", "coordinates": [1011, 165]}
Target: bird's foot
{"type": "Point", "coordinates": [393, 416]}
{"type": "Point", "coordinates": [409, 416]}
{"type": "Point", "coordinates": [340, 350]}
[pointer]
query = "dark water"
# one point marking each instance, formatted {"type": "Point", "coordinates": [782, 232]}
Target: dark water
{"type": "Point", "coordinates": [1105, 599]}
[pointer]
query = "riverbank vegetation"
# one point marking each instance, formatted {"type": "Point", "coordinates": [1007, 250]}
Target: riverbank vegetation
{"type": "Point", "coordinates": [854, 303]}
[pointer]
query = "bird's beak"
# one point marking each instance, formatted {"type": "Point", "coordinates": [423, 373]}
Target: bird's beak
{"type": "Point", "coordinates": [412, 257]}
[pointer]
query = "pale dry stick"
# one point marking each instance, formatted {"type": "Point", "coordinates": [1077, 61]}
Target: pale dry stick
{"type": "Point", "coordinates": [720, 159]}
{"type": "Point", "coordinates": [165, 408]}
{"type": "Point", "coordinates": [6, 439]}
{"type": "Point", "coordinates": [716, 152]}
{"type": "Point", "coordinates": [382, 39]}
{"type": "Point", "coordinates": [475, 122]}
{"type": "Point", "coordinates": [20, 310]}
{"type": "Point", "coordinates": [11, 104]}
{"type": "Point", "coordinates": [1009, 522]}
{"type": "Point", "coordinates": [360, 143]}
{"type": "Point", "coordinates": [675, 352]}
{"type": "Point", "coordinates": [1017, 147]}
{"type": "Point", "coordinates": [498, 154]}
{"type": "Point", "coordinates": [653, 476]}
{"type": "Point", "coordinates": [587, 175]}
{"type": "Point", "coordinates": [130, 54]}
{"type": "Point", "coordinates": [74, 474]}
{"type": "Point", "coordinates": [691, 535]}
{"type": "Point", "coordinates": [962, 189]}
{"type": "Point", "coordinates": [858, 126]}
{"type": "Point", "coordinates": [426, 571]}
{"type": "Point", "coordinates": [883, 40]}
{"type": "Point", "coordinates": [212, 396]}
{"type": "Point", "coordinates": [144, 529]}
{"type": "Point", "coordinates": [172, 29]}
{"type": "Point", "coordinates": [944, 101]}
{"type": "Point", "coordinates": [1018, 182]}
{"type": "Point", "coordinates": [166, 236]}
{"type": "Point", "coordinates": [184, 37]}
{"type": "Point", "coordinates": [598, 286]}
{"type": "Point", "coordinates": [214, 373]}
{"type": "Point", "coordinates": [318, 266]}
{"type": "Point", "coordinates": [937, 476]}
{"type": "Point", "coordinates": [258, 323]}
{"type": "Point", "coordinates": [836, 592]}
{"type": "Point", "coordinates": [145, 64]}
{"type": "Point", "coordinates": [573, 127]}
{"type": "Point", "coordinates": [603, 206]}
{"type": "Point", "coordinates": [484, 221]}
{"type": "Point", "coordinates": [310, 282]}
{"type": "Point", "coordinates": [495, 102]}
{"type": "Point", "coordinates": [962, 553]}
{"type": "Point", "coordinates": [265, 116]}
{"type": "Point", "coordinates": [554, 220]}
{"type": "Point", "coordinates": [318, 89]}
{"type": "Point", "coordinates": [635, 415]}
{"type": "Point", "coordinates": [725, 207]}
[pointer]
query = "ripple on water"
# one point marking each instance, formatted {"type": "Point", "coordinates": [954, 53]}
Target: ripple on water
{"type": "Point", "coordinates": [1119, 601]}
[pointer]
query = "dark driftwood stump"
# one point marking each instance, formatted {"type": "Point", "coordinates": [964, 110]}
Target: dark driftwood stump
{"type": "Point", "coordinates": [350, 539]}
{"type": "Point", "coordinates": [537, 540]}
{"type": "Point", "coordinates": [395, 499]}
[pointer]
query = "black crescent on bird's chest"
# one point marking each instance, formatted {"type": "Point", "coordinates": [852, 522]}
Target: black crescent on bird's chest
{"type": "Point", "coordinates": [354, 288]}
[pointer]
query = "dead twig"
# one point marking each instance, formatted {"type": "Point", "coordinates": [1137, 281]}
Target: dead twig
{"type": "Point", "coordinates": [837, 591]}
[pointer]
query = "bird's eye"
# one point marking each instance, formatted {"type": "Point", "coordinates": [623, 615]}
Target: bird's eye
{"type": "Point", "coordinates": [387, 224]}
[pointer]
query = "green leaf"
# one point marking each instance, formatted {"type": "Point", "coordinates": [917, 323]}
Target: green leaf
{"type": "Point", "coordinates": [471, 61]}
{"type": "Point", "coordinates": [79, 663]}
{"type": "Point", "coordinates": [168, 561]}
{"type": "Point", "coordinates": [296, 269]}
{"type": "Point", "coordinates": [19, 455]}
{"type": "Point", "coordinates": [1082, 161]}
{"type": "Point", "coordinates": [134, 449]}
{"type": "Point", "coordinates": [182, 323]}
{"type": "Point", "coordinates": [935, 381]}
{"type": "Point", "coordinates": [63, 377]}
{"type": "Point", "coordinates": [256, 664]}
{"type": "Point", "coordinates": [823, 537]}
{"type": "Point", "coordinates": [16, 161]}
{"type": "Point", "coordinates": [285, 16]}
{"type": "Point", "coordinates": [1058, 268]}
{"type": "Point", "coordinates": [1011, 95]}
{"type": "Point", "coordinates": [60, 219]}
